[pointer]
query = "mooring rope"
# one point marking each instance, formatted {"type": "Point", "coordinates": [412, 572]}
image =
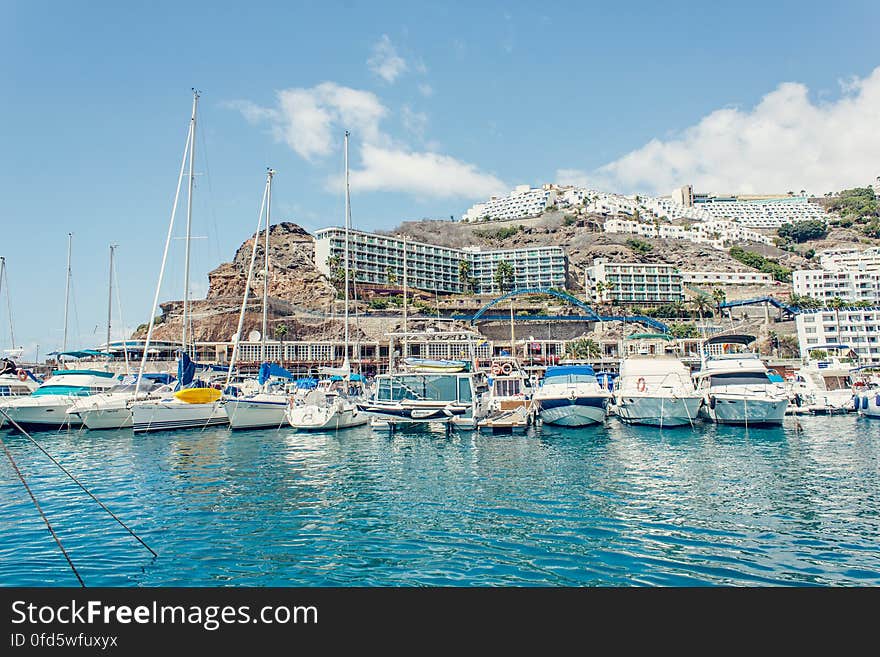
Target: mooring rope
{"type": "Point", "coordinates": [40, 509]}
{"type": "Point", "coordinates": [77, 481]}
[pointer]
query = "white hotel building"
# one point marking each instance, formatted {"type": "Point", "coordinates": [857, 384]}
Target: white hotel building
{"type": "Point", "coordinates": [850, 274]}
{"type": "Point", "coordinates": [376, 258]}
{"type": "Point", "coordinates": [715, 233]}
{"type": "Point", "coordinates": [754, 211]}
{"type": "Point", "coordinates": [726, 278]}
{"type": "Point", "coordinates": [858, 328]}
{"type": "Point", "coordinates": [633, 282]}
{"type": "Point", "coordinates": [523, 201]}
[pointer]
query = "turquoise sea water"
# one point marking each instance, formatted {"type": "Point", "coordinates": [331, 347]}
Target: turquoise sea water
{"type": "Point", "coordinates": [610, 505]}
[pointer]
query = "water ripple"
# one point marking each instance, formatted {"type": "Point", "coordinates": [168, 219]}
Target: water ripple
{"type": "Point", "coordinates": [611, 505]}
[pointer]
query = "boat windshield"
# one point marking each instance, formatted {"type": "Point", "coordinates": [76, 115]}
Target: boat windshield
{"type": "Point", "coordinates": [739, 379]}
{"type": "Point", "coordinates": [423, 387]}
{"type": "Point", "coordinates": [506, 387]}
{"type": "Point", "coordinates": [570, 378]}
{"type": "Point", "coordinates": [76, 391]}
{"type": "Point", "coordinates": [837, 383]}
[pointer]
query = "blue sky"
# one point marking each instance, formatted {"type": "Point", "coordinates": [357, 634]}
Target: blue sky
{"type": "Point", "coordinates": [447, 103]}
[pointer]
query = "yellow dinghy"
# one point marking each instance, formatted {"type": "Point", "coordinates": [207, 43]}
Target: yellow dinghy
{"type": "Point", "coordinates": [198, 395]}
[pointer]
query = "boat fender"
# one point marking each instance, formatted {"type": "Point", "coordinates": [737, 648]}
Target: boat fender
{"type": "Point", "coordinates": [22, 375]}
{"type": "Point", "coordinates": [797, 401]}
{"type": "Point", "coordinates": [711, 402]}
{"type": "Point", "coordinates": [856, 402]}
{"type": "Point", "coordinates": [641, 385]}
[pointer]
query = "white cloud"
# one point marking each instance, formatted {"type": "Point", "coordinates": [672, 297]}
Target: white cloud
{"type": "Point", "coordinates": [414, 122]}
{"type": "Point", "coordinates": [786, 142]}
{"type": "Point", "coordinates": [422, 174]}
{"type": "Point", "coordinates": [308, 120]}
{"type": "Point", "coordinates": [385, 62]}
{"type": "Point", "coordinates": [311, 122]}
{"type": "Point", "coordinates": [426, 89]}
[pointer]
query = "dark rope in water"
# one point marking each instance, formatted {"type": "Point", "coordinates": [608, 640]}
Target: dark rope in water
{"type": "Point", "coordinates": [86, 490]}
{"type": "Point", "coordinates": [39, 508]}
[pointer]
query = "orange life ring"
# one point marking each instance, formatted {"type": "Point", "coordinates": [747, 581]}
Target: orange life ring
{"type": "Point", "coordinates": [496, 369]}
{"type": "Point", "coordinates": [22, 375]}
{"type": "Point", "coordinates": [641, 385]}
{"type": "Point", "coordinates": [506, 368]}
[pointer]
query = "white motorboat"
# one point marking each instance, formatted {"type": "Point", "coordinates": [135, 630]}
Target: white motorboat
{"type": "Point", "coordinates": [510, 403]}
{"type": "Point", "coordinates": [656, 391]}
{"type": "Point", "coordinates": [823, 384]}
{"type": "Point", "coordinates": [736, 385]}
{"type": "Point", "coordinates": [411, 397]}
{"type": "Point", "coordinates": [266, 407]}
{"type": "Point", "coordinates": [46, 407]}
{"type": "Point", "coordinates": [110, 410]}
{"type": "Point", "coordinates": [570, 396]}
{"type": "Point", "coordinates": [322, 413]}
{"type": "Point", "coordinates": [16, 381]}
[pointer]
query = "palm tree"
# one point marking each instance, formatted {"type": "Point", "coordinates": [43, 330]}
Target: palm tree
{"type": "Point", "coordinates": [600, 288]}
{"type": "Point", "coordinates": [464, 275]}
{"type": "Point", "coordinates": [702, 305]}
{"type": "Point", "coordinates": [789, 347]}
{"type": "Point", "coordinates": [582, 349]}
{"type": "Point", "coordinates": [280, 332]}
{"type": "Point", "coordinates": [390, 275]}
{"type": "Point", "coordinates": [719, 296]}
{"type": "Point", "coordinates": [504, 276]}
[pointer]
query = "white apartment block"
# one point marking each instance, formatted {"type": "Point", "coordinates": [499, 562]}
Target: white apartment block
{"type": "Point", "coordinates": [857, 327]}
{"type": "Point", "coordinates": [379, 260]}
{"type": "Point", "coordinates": [523, 201]}
{"type": "Point", "coordinates": [632, 282]}
{"type": "Point", "coordinates": [716, 233]}
{"type": "Point", "coordinates": [850, 259]}
{"type": "Point", "coordinates": [848, 285]}
{"type": "Point", "coordinates": [726, 278]}
{"type": "Point", "coordinates": [754, 211]}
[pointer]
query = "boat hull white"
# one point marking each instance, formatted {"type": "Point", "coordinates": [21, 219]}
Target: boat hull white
{"type": "Point", "coordinates": [577, 412]}
{"type": "Point", "coordinates": [867, 403]}
{"type": "Point", "coordinates": [256, 413]}
{"type": "Point", "coordinates": [165, 415]}
{"type": "Point", "coordinates": [44, 412]}
{"type": "Point", "coordinates": [727, 409]}
{"type": "Point", "coordinates": [310, 417]}
{"type": "Point", "coordinates": [658, 411]}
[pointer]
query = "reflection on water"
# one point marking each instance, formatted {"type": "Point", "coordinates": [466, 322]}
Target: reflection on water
{"type": "Point", "coordinates": [605, 505]}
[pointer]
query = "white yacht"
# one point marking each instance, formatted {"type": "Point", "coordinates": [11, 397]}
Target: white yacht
{"type": "Point", "coordinates": [46, 407]}
{"type": "Point", "coordinates": [510, 400]}
{"type": "Point", "coordinates": [570, 396]}
{"type": "Point", "coordinates": [265, 407]}
{"type": "Point", "coordinates": [736, 385]}
{"type": "Point", "coordinates": [824, 384]}
{"type": "Point", "coordinates": [16, 381]}
{"type": "Point", "coordinates": [415, 397]}
{"type": "Point", "coordinates": [657, 391]}
{"type": "Point", "coordinates": [110, 409]}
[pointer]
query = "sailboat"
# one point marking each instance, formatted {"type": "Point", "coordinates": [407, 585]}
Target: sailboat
{"type": "Point", "coordinates": [14, 380]}
{"type": "Point", "coordinates": [268, 405]}
{"type": "Point", "coordinates": [321, 412]}
{"type": "Point", "coordinates": [46, 407]}
{"type": "Point", "coordinates": [193, 404]}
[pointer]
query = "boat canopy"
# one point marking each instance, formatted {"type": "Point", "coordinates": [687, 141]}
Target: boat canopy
{"type": "Point", "coordinates": [775, 377]}
{"type": "Point", "coordinates": [82, 353]}
{"type": "Point", "coordinates": [353, 377]}
{"type": "Point", "coordinates": [186, 369]}
{"type": "Point", "coordinates": [650, 336]}
{"type": "Point", "coordinates": [569, 370]}
{"type": "Point", "coordinates": [106, 375]}
{"type": "Point", "coordinates": [732, 338]}
{"type": "Point", "coordinates": [307, 383]}
{"type": "Point", "coordinates": [268, 370]}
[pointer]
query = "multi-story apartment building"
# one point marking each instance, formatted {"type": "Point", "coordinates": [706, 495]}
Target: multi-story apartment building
{"type": "Point", "coordinates": [379, 260]}
{"type": "Point", "coordinates": [848, 285]}
{"type": "Point", "coordinates": [726, 278]}
{"type": "Point", "coordinates": [523, 201]}
{"type": "Point", "coordinates": [850, 259]}
{"type": "Point", "coordinates": [717, 233]}
{"type": "Point", "coordinates": [633, 282]}
{"type": "Point", "coordinates": [754, 210]}
{"type": "Point", "coordinates": [857, 327]}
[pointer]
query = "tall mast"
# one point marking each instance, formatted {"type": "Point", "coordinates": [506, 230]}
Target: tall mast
{"type": "Point", "coordinates": [189, 199]}
{"type": "Point", "coordinates": [405, 337]}
{"type": "Point", "coordinates": [189, 136]}
{"type": "Point", "coordinates": [269, 174]}
{"type": "Point", "coordinates": [110, 299]}
{"type": "Point", "coordinates": [347, 228]}
{"type": "Point", "coordinates": [5, 276]}
{"type": "Point", "coordinates": [67, 292]}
